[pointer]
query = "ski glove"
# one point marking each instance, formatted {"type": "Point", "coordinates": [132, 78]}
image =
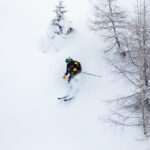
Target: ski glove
{"type": "Point", "coordinates": [64, 77]}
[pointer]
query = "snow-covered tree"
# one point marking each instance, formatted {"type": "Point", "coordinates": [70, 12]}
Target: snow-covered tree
{"type": "Point", "coordinates": [60, 25]}
{"type": "Point", "coordinates": [110, 19]}
{"type": "Point", "coordinates": [132, 39]}
{"type": "Point", "coordinates": [138, 65]}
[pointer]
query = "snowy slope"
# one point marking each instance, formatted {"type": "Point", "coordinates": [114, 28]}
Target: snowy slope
{"type": "Point", "coordinates": [31, 117]}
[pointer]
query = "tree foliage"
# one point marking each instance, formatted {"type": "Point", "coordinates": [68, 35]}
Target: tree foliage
{"type": "Point", "coordinates": [129, 52]}
{"type": "Point", "coordinates": [60, 25]}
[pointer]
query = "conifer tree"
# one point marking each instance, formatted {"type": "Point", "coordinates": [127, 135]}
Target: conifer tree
{"type": "Point", "coordinates": [59, 25]}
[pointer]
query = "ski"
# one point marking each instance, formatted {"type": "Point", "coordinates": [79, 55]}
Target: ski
{"type": "Point", "coordinates": [68, 99]}
{"type": "Point", "coordinates": [62, 97]}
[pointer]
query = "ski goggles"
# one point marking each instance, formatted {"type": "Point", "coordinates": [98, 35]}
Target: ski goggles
{"type": "Point", "coordinates": [68, 60]}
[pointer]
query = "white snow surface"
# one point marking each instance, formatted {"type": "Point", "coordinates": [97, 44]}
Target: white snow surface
{"type": "Point", "coordinates": [31, 70]}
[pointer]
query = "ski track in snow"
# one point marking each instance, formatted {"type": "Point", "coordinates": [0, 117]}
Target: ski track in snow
{"type": "Point", "coordinates": [31, 116]}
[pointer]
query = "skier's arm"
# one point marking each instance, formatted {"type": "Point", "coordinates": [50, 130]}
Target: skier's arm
{"type": "Point", "coordinates": [65, 75]}
{"type": "Point", "coordinates": [67, 70]}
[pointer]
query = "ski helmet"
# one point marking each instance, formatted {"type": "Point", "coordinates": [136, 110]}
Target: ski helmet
{"type": "Point", "coordinates": [68, 60]}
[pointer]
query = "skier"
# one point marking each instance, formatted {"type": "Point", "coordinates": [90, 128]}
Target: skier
{"type": "Point", "coordinates": [73, 68]}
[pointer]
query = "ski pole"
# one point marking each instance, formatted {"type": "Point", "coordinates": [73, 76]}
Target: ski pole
{"type": "Point", "coordinates": [92, 74]}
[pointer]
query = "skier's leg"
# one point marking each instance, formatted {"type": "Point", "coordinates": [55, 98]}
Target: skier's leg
{"type": "Point", "coordinates": [74, 85]}
{"type": "Point", "coordinates": [75, 74]}
{"type": "Point", "coordinates": [70, 77]}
